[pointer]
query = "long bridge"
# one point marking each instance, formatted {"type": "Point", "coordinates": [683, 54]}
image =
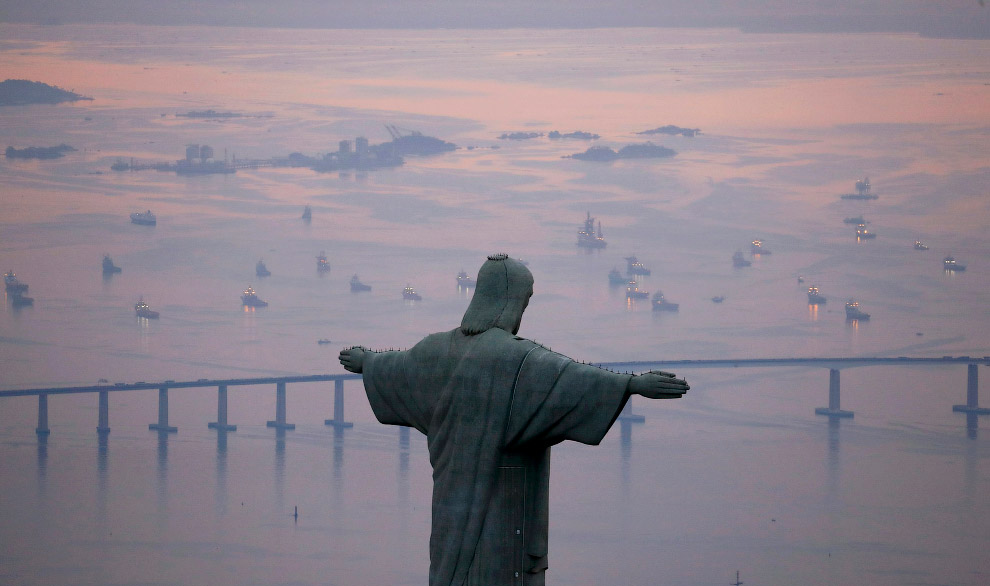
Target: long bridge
{"type": "Point", "coordinates": [833, 410]}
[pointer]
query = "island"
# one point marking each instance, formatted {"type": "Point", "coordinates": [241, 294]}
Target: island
{"type": "Point", "coordinates": [673, 130]}
{"type": "Point", "coordinates": [520, 135]}
{"type": "Point", "coordinates": [53, 152]}
{"type": "Point", "coordinates": [576, 134]}
{"type": "Point", "coordinates": [633, 151]}
{"type": "Point", "coordinates": [22, 92]}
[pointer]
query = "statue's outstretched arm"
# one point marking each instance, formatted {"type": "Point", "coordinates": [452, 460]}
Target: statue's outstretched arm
{"type": "Point", "coordinates": [658, 385]}
{"type": "Point", "coordinates": [353, 358]}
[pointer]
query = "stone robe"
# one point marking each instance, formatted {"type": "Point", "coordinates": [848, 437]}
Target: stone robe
{"type": "Point", "coordinates": [491, 405]}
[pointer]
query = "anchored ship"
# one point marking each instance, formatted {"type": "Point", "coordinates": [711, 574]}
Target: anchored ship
{"type": "Point", "coordinates": [12, 285]}
{"type": "Point", "coordinates": [307, 213]}
{"type": "Point", "coordinates": [250, 299]}
{"type": "Point", "coordinates": [108, 267]}
{"type": "Point", "coordinates": [616, 278]}
{"type": "Point", "coordinates": [410, 294]}
{"type": "Point", "coordinates": [633, 291]}
{"type": "Point", "coordinates": [950, 264]}
{"type": "Point", "coordinates": [588, 237]}
{"type": "Point", "coordinates": [853, 311]}
{"type": "Point", "coordinates": [144, 218]}
{"type": "Point", "coordinates": [661, 304]}
{"type": "Point", "coordinates": [142, 309]}
{"type": "Point", "coordinates": [357, 285]}
{"type": "Point", "coordinates": [862, 191]}
{"type": "Point", "coordinates": [261, 270]}
{"type": "Point", "coordinates": [464, 280]}
{"type": "Point", "coordinates": [756, 247]}
{"type": "Point", "coordinates": [863, 234]}
{"type": "Point", "coordinates": [321, 262]}
{"type": "Point", "coordinates": [739, 261]}
{"type": "Point", "coordinates": [634, 267]}
{"type": "Point", "coordinates": [814, 297]}
{"type": "Point", "coordinates": [919, 245]}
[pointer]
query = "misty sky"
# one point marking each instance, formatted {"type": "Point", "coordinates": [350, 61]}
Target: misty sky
{"type": "Point", "coordinates": [942, 18]}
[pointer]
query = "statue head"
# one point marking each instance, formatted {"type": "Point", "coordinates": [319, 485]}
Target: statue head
{"type": "Point", "coordinates": [501, 295]}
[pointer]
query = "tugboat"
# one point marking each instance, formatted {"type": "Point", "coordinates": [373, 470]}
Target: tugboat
{"type": "Point", "coordinates": [756, 247]}
{"type": "Point", "coordinates": [322, 265]}
{"type": "Point", "coordinates": [862, 191]}
{"type": "Point", "coordinates": [633, 292]}
{"type": "Point", "coordinates": [307, 214]}
{"type": "Point", "coordinates": [661, 304]}
{"type": "Point", "coordinates": [738, 260]}
{"type": "Point", "coordinates": [12, 285]}
{"type": "Point", "coordinates": [357, 286]}
{"type": "Point", "coordinates": [862, 233]}
{"type": "Point", "coordinates": [142, 309]}
{"type": "Point", "coordinates": [634, 267]}
{"type": "Point", "coordinates": [144, 218]}
{"type": "Point", "coordinates": [410, 294]}
{"type": "Point", "coordinates": [261, 270]}
{"type": "Point", "coordinates": [464, 280]}
{"type": "Point", "coordinates": [853, 312]}
{"type": "Point", "coordinates": [919, 245]}
{"type": "Point", "coordinates": [616, 278]}
{"type": "Point", "coordinates": [856, 220]}
{"type": "Point", "coordinates": [588, 237]}
{"type": "Point", "coordinates": [250, 299]}
{"type": "Point", "coordinates": [814, 297]}
{"type": "Point", "coordinates": [950, 264]}
{"type": "Point", "coordinates": [108, 267]}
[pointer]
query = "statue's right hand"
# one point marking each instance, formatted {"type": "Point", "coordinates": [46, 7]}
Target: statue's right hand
{"type": "Point", "coordinates": [353, 359]}
{"type": "Point", "coordinates": [658, 385]}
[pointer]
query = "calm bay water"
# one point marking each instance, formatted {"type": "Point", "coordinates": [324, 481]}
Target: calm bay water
{"type": "Point", "coordinates": [738, 475]}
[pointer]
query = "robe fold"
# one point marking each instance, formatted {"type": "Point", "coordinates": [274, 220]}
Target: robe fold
{"type": "Point", "coordinates": [491, 405]}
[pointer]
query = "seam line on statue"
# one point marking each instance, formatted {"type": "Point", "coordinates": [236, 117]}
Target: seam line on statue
{"type": "Point", "coordinates": [512, 393]}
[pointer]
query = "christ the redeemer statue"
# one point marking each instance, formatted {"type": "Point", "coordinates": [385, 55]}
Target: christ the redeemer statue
{"type": "Point", "coordinates": [491, 405]}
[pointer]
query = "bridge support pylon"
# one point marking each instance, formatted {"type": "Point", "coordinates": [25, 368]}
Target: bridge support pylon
{"type": "Point", "coordinates": [338, 407]}
{"type": "Point", "coordinates": [972, 394]}
{"type": "Point", "coordinates": [103, 418]}
{"type": "Point", "coordinates": [628, 416]}
{"type": "Point", "coordinates": [279, 422]}
{"type": "Point", "coordinates": [162, 424]}
{"type": "Point", "coordinates": [221, 423]}
{"type": "Point", "coordinates": [833, 409]}
{"type": "Point", "coordinates": [42, 429]}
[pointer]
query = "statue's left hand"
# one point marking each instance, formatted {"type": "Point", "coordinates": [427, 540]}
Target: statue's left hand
{"type": "Point", "coordinates": [658, 385]}
{"type": "Point", "coordinates": [353, 358]}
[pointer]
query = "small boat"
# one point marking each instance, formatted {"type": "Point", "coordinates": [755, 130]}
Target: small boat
{"type": "Point", "coordinates": [634, 267]}
{"type": "Point", "coordinates": [718, 299]}
{"type": "Point", "coordinates": [410, 294]}
{"type": "Point", "coordinates": [661, 304]}
{"type": "Point", "coordinates": [633, 291]}
{"type": "Point", "coordinates": [854, 313]}
{"type": "Point", "coordinates": [919, 245]}
{"type": "Point", "coordinates": [464, 280]}
{"type": "Point", "coordinates": [814, 297]}
{"type": "Point", "coordinates": [12, 285]}
{"type": "Point", "coordinates": [108, 267]}
{"type": "Point", "coordinates": [144, 218]}
{"type": "Point", "coordinates": [738, 260]}
{"type": "Point", "coordinates": [322, 341]}
{"type": "Point", "coordinates": [357, 285]}
{"type": "Point", "coordinates": [321, 262]}
{"type": "Point", "coordinates": [307, 213]}
{"type": "Point", "coordinates": [949, 264]}
{"type": "Point", "coordinates": [862, 233]}
{"type": "Point", "coordinates": [142, 309]}
{"type": "Point", "coordinates": [261, 270]}
{"type": "Point", "coordinates": [756, 247]}
{"type": "Point", "coordinates": [616, 278]}
{"type": "Point", "coordinates": [251, 299]}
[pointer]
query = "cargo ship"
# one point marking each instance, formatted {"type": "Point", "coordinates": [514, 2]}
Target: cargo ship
{"type": "Point", "coordinates": [144, 218]}
{"type": "Point", "coordinates": [756, 247]}
{"type": "Point", "coordinates": [108, 267]}
{"type": "Point", "coordinates": [863, 234]}
{"type": "Point", "coordinates": [862, 191]}
{"type": "Point", "coordinates": [854, 313]}
{"type": "Point", "coordinates": [464, 280]}
{"type": "Point", "coordinates": [142, 309]}
{"type": "Point", "coordinates": [251, 299]}
{"type": "Point", "coordinates": [410, 294]}
{"type": "Point", "coordinates": [12, 285]}
{"type": "Point", "coordinates": [919, 245]}
{"type": "Point", "coordinates": [661, 304]}
{"type": "Point", "coordinates": [634, 267]}
{"type": "Point", "coordinates": [588, 237]}
{"type": "Point", "coordinates": [358, 286]}
{"type": "Point", "coordinates": [949, 264]}
{"type": "Point", "coordinates": [633, 291]}
{"type": "Point", "coordinates": [814, 297]}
